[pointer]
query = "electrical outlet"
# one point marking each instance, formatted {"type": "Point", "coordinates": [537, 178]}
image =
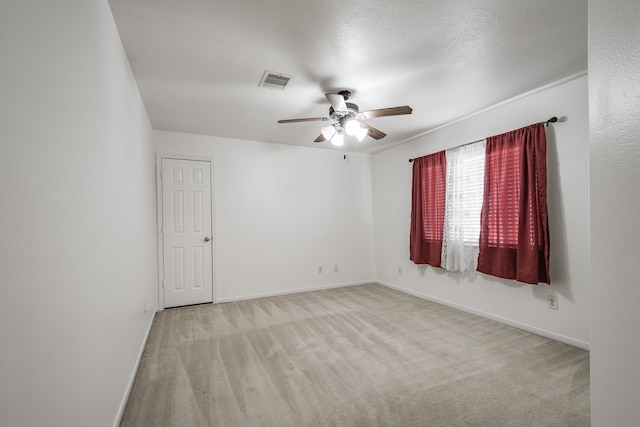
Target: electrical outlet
{"type": "Point", "coordinates": [336, 268]}
{"type": "Point", "coordinates": [552, 302]}
{"type": "Point", "coordinates": [320, 269]}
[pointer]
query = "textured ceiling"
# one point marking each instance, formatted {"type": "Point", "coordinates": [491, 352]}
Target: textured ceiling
{"type": "Point", "coordinates": [198, 62]}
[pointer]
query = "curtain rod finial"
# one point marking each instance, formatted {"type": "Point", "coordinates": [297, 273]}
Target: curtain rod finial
{"type": "Point", "coordinates": [551, 120]}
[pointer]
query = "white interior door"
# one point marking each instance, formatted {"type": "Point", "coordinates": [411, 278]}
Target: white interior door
{"type": "Point", "coordinates": [186, 232]}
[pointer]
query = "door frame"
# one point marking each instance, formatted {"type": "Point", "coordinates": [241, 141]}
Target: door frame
{"type": "Point", "coordinates": [159, 221]}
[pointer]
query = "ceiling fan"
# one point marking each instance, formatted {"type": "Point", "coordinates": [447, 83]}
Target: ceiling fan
{"type": "Point", "coordinates": [349, 119]}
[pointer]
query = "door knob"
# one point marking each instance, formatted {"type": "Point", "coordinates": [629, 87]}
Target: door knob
{"type": "Point", "coordinates": [206, 239]}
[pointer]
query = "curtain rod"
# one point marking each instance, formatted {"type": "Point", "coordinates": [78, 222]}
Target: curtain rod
{"type": "Point", "coordinates": [551, 120]}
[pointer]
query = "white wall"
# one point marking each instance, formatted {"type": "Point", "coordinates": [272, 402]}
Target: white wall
{"type": "Point", "coordinates": [509, 301]}
{"type": "Point", "coordinates": [282, 211]}
{"type": "Point", "coordinates": [614, 99]}
{"type": "Point", "coordinates": [77, 210]}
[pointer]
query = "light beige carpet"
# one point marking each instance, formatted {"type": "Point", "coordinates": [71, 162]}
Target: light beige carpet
{"type": "Point", "coordinates": [357, 356]}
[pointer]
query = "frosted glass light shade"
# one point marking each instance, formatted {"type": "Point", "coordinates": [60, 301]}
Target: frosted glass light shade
{"type": "Point", "coordinates": [361, 133]}
{"type": "Point", "coordinates": [328, 131]}
{"type": "Point", "coordinates": [352, 126]}
{"type": "Point", "coordinates": [338, 140]}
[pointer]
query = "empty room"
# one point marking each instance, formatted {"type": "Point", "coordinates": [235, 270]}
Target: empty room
{"type": "Point", "coordinates": [295, 213]}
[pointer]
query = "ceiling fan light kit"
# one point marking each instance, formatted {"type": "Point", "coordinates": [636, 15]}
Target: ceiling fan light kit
{"type": "Point", "coordinates": [349, 119]}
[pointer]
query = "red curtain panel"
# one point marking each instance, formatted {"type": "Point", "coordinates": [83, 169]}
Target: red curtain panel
{"type": "Point", "coordinates": [514, 234]}
{"type": "Point", "coordinates": [427, 209]}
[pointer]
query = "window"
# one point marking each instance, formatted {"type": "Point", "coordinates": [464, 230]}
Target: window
{"type": "Point", "coordinates": [464, 195]}
{"type": "Point", "coordinates": [483, 206]}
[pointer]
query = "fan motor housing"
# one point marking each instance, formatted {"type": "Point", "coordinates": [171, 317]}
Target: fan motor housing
{"type": "Point", "coordinates": [352, 111]}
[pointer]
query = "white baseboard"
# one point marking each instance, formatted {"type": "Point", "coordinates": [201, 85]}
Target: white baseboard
{"type": "Point", "coordinates": [515, 324]}
{"type": "Point", "coordinates": [293, 291]}
{"type": "Point", "coordinates": [125, 398]}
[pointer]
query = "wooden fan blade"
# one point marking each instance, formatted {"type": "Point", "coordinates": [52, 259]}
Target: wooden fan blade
{"type": "Point", "coordinates": [383, 112]}
{"type": "Point", "coordinates": [320, 138]}
{"type": "Point", "coordinates": [337, 101]}
{"type": "Point", "coordinates": [309, 119]}
{"type": "Point", "coordinates": [373, 132]}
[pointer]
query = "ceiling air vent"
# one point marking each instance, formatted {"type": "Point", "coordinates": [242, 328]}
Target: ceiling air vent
{"type": "Point", "coordinates": [274, 80]}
